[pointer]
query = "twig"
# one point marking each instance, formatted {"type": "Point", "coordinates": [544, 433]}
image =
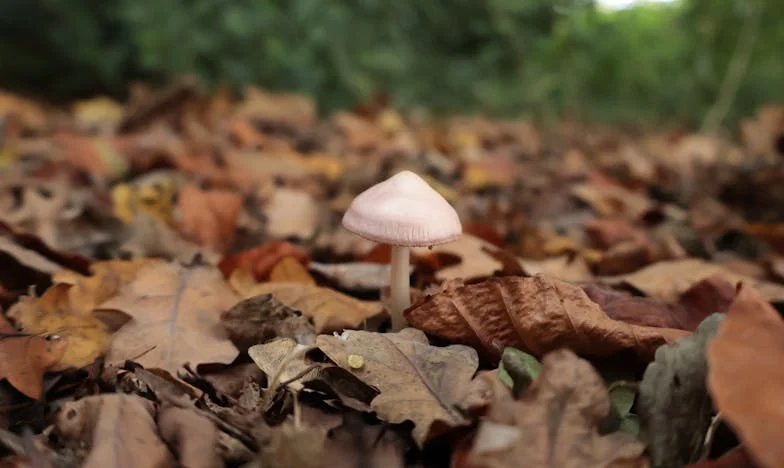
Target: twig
{"type": "Point", "coordinates": [710, 434]}
{"type": "Point", "coordinates": [274, 382]}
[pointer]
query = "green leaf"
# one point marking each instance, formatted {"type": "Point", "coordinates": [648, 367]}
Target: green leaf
{"type": "Point", "coordinates": [518, 369]}
{"type": "Point", "coordinates": [674, 406]}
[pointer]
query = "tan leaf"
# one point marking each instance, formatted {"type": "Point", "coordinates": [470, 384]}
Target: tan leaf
{"type": "Point", "coordinates": [475, 260]}
{"type": "Point", "coordinates": [176, 317]}
{"type": "Point", "coordinates": [666, 281]}
{"type": "Point", "coordinates": [88, 335]}
{"type": "Point", "coordinates": [193, 436]}
{"type": "Point", "coordinates": [118, 428]}
{"type": "Point", "coordinates": [280, 357]}
{"type": "Point", "coordinates": [290, 270]}
{"type": "Point", "coordinates": [555, 423]}
{"type": "Point", "coordinates": [417, 381]}
{"type": "Point", "coordinates": [329, 309]}
{"type": "Point", "coordinates": [25, 359]}
{"type": "Point", "coordinates": [745, 376]}
{"type": "Point", "coordinates": [537, 314]}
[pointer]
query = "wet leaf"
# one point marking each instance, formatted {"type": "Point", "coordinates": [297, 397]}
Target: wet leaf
{"type": "Point", "coordinates": [536, 314]}
{"type": "Point", "coordinates": [745, 377]}
{"type": "Point", "coordinates": [675, 410]}
{"type": "Point", "coordinates": [417, 381]}
{"type": "Point", "coordinates": [555, 423]}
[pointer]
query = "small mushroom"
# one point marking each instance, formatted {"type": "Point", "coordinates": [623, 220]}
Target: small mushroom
{"type": "Point", "coordinates": [402, 211]}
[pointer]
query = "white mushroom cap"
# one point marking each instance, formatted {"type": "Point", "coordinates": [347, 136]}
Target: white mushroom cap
{"type": "Point", "coordinates": [403, 210]}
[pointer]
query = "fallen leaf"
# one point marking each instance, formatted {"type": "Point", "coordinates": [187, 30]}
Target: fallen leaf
{"type": "Point", "coordinates": [262, 259]}
{"type": "Point", "coordinates": [25, 359]}
{"type": "Point", "coordinates": [555, 423]}
{"type": "Point", "coordinates": [674, 407]}
{"type": "Point", "coordinates": [745, 378]}
{"type": "Point", "coordinates": [417, 381]}
{"type": "Point", "coordinates": [518, 369]}
{"type": "Point", "coordinates": [666, 281]}
{"type": "Point", "coordinates": [176, 317]}
{"type": "Point", "coordinates": [291, 213]}
{"type": "Point", "coordinates": [473, 252]}
{"type": "Point", "coordinates": [537, 315]}
{"type": "Point", "coordinates": [285, 358]}
{"type": "Point", "coordinates": [290, 270]}
{"type": "Point", "coordinates": [193, 437]}
{"type": "Point", "coordinates": [612, 200]}
{"type": "Point", "coordinates": [259, 319]}
{"type": "Point", "coordinates": [328, 309]}
{"type": "Point", "coordinates": [209, 217]}
{"type": "Point", "coordinates": [606, 232]}
{"type": "Point", "coordinates": [119, 429]}
{"type": "Point", "coordinates": [88, 335]}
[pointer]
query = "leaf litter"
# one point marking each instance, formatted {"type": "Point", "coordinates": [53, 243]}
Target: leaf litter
{"type": "Point", "coordinates": [177, 290]}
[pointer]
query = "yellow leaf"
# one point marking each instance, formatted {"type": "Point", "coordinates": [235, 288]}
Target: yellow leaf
{"type": "Point", "coordinates": [88, 336]}
{"type": "Point", "coordinates": [329, 309]}
{"type": "Point", "coordinates": [289, 269]}
{"type": "Point", "coordinates": [98, 111]}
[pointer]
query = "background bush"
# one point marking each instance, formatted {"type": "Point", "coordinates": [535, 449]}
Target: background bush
{"type": "Point", "coordinates": [647, 64]}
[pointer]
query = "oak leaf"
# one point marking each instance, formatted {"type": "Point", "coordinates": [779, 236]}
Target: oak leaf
{"type": "Point", "coordinates": [745, 377]}
{"type": "Point", "coordinates": [537, 315]}
{"type": "Point", "coordinates": [555, 423]}
{"type": "Point", "coordinates": [416, 381]}
{"type": "Point", "coordinates": [666, 281]}
{"type": "Point", "coordinates": [176, 317]}
{"type": "Point", "coordinates": [25, 359]}
{"type": "Point", "coordinates": [329, 309]}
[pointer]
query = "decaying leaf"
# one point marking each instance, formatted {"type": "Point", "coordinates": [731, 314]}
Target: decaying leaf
{"type": "Point", "coordinates": [176, 317]}
{"type": "Point", "coordinates": [674, 407]}
{"type": "Point", "coordinates": [537, 315]}
{"type": "Point", "coordinates": [358, 276]}
{"type": "Point", "coordinates": [666, 281]}
{"type": "Point", "coordinates": [88, 334]}
{"type": "Point", "coordinates": [745, 376]}
{"type": "Point", "coordinates": [259, 319]}
{"type": "Point", "coordinates": [119, 429]}
{"type": "Point", "coordinates": [283, 357]}
{"type": "Point", "coordinates": [417, 381]}
{"type": "Point", "coordinates": [328, 309]}
{"type": "Point", "coordinates": [555, 423]}
{"type": "Point", "coordinates": [25, 359]}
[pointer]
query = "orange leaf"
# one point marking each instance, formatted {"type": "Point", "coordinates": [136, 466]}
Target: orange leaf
{"type": "Point", "coordinates": [260, 260]}
{"type": "Point", "coordinates": [289, 269]}
{"type": "Point", "coordinates": [745, 377]}
{"type": "Point", "coordinates": [209, 216]}
{"type": "Point", "coordinates": [537, 315]}
{"type": "Point", "coordinates": [25, 359]}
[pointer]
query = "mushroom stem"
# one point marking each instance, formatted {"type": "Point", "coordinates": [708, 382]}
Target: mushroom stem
{"type": "Point", "coordinates": [400, 288]}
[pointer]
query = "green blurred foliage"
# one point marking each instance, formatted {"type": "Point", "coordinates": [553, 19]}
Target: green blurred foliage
{"type": "Point", "coordinates": [647, 64]}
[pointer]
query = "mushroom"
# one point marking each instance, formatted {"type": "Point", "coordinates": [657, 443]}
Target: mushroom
{"type": "Point", "coordinates": [402, 211]}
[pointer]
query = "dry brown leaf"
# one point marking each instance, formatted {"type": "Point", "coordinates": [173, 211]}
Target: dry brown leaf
{"type": "Point", "coordinates": [328, 309]}
{"type": "Point", "coordinates": [88, 334]}
{"type": "Point", "coordinates": [209, 217]}
{"type": "Point", "coordinates": [612, 200]}
{"type": "Point", "coordinates": [290, 270]}
{"type": "Point", "coordinates": [25, 359]}
{"type": "Point", "coordinates": [417, 381]}
{"type": "Point", "coordinates": [473, 252]}
{"type": "Point", "coordinates": [291, 213]}
{"type": "Point", "coordinates": [537, 315]}
{"type": "Point", "coordinates": [259, 319]}
{"type": "Point", "coordinates": [745, 376]}
{"type": "Point", "coordinates": [118, 428]}
{"type": "Point", "coordinates": [555, 423]}
{"type": "Point", "coordinates": [193, 436]}
{"type": "Point", "coordinates": [176, 317]}
{"type": "Point", "coordinates": [666, 281]}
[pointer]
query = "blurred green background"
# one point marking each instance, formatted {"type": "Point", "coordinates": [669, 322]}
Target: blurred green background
{"type": "Point", "coordinates": [680, 62]}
